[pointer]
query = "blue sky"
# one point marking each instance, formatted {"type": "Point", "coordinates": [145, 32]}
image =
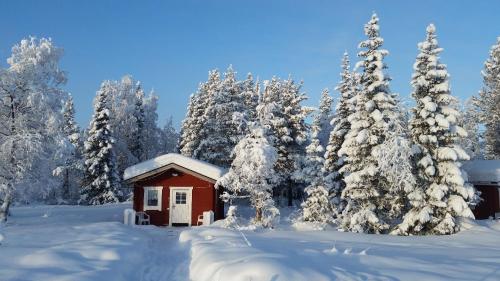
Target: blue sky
{"type": "Point", "coordinates": [171, 45]}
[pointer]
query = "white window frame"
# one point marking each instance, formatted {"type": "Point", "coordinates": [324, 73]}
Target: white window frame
{"type": "Point", "coordinates": [146, 207]}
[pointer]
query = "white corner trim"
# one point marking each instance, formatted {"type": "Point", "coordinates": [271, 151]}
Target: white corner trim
{"type": "Point", "coordinates": [145, 201]}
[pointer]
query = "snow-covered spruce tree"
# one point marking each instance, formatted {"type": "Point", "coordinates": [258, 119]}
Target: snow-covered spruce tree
{"type": "Point", "coordinates": [137, 142]}
{"type": "Point", "coordinates": [489, 103]}
{"type": "Point", "coordinates": [250, 92]}
{"type": "Point", "coordinates": [187, 135]}
{"type": "Point", "coordinates": [219, 133]}
{"type": "Point", "coordinates": [169, 137]}
{"type": "Point", "coordinates": [70, 127]}
{"type": "Point", "coordinates": [316, 207]}
{"type": "Point", "coordinates": [370, 124]}
{"type": "Point", "coordinates": [122, 106]}
{"type": "Point", "coordinates": [281, 113]}
{"type": "Point", "coordinates": [134, 122]}
{"type": "Point", "coordinates": [396, 167]}
{"type": "Point", "coordinates": [194, 121]}
{"type": "Point", "coordinates": [469, 121]}
{"type": "Point", "coordinates": [252, 174]}
{"type": "Point", "coordinates": [323, 117]}
{"type": "Point", "coordinates": [72, 170]}
{"type": "Point", "coordinates": [101, 182]}
{"type": "Point", "coordinates": [152, 147]}
{"type": "Point", "coordinates": [340, 126]}
{"type": "Point", "coordinates": [441, 194]}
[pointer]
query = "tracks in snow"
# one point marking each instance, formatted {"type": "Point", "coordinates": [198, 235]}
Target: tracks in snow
{"type": "Point", "coordinates": [165, 259]}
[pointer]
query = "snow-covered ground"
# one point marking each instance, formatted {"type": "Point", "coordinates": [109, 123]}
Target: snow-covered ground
{"type": "Point", "coordinates": [287, 254]}
{"type": "Point", "coordinates": [90, 243]}
{"type": "Point", "coordinates": [87, 243]}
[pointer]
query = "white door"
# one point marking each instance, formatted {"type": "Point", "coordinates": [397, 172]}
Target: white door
{"type": "Point", "coordinates": [180, 205]}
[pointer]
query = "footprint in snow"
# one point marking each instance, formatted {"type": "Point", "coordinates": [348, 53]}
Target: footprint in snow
{"type": "Point", "coordinates": [331, 251]}
{"type": "Point", "coordinates": [364, 252]}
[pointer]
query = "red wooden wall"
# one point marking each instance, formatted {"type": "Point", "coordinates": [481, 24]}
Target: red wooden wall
{"type": "Point", "coordinates": [490, 204]}
{"type": "Point", "coordinates": [203, 195]}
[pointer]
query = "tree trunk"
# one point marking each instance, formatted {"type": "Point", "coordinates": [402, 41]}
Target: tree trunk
{"type": "Point", "coordinates": [289, 193]}
{"type": "Point", "coordinates": [7, 201]}
{"type": "Point", "coordinates": [5, 208]}
{"type": "Point", "coordinates": [258, 214]}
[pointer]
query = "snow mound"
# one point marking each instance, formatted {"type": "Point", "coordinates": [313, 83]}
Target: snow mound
{"type": "Point", "coordinates": [483, 171]}
{"type": "Point", "coordinates": [198, 166]}
{"type": "Point", "coordinates": [291, 255]}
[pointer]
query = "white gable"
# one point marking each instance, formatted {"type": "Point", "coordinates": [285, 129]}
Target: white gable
{"type": "Point", "coordinates": [203, 168]}
{"type": "Point", "coordinates": [483, 171]}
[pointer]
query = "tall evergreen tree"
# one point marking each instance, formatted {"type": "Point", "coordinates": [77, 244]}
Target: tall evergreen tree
{"type": "Point", "coordinates": [340, 127]}
{"type": "Point", "coordinates": [186, 134]}
{"type": "Point", "coordinates": [470, 121]}
{"type": "Point", "coordinates": [250, 93]}
{"type": "Point", "coordinates": [152, 147]}
{"type": "Point", "coordinates": [101, 183]}
{"type": "Point", "coordinates": [137, 143]}
{"type": "Point", "coordinates": [323, 117]}
{"type": "Point", "coordinates": [370, 123]}
{"type": "Point", "coordinates": [219, 132]}
{"type": "Point", "coordinates": [169, 137]}
{"type": "Point", "coordinates": [489, 103]}
{"type": "Point", "coordinates": [71, 128]}
{"type": "Point", "coordinates": [281, 113]}
{"type": "Point", "coordinates": [441, 194]}
{"type": "Point", "coordinates": [194, 121]}
{"type": "Point", "coordinates": [72, 169]}
{"type": "Point", "coordinates": [317, 206]}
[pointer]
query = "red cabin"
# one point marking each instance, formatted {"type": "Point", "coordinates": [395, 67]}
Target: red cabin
{"type": "Point", "coordinates": [175, 190]}
{"type": "Point", "coordinates": [485, 176]}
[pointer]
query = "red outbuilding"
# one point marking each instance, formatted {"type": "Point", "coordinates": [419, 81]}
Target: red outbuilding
{"type": "Point", "coordinates": [485, 176]}
{"type": "Point", "coordinates": [175, 190]}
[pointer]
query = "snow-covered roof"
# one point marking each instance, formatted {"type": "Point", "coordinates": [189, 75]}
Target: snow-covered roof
{"type": "Point", "coordinates": [483, 171]}
{"type": "Point", "coordinates": [200, 167]}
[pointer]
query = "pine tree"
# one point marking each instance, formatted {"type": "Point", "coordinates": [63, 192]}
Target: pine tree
{"type": "Point", "coordinates": [281, 113]}
{"type": "Point", "coordinates": [489, 103]}
{"type": "Point", "coordinates": [220, 133]}
{"type": "Point", "coordinates": [394, 157]}
{"type": "Point", "coordinates": [250, 93]}
{"type": "Point", "coordinates": [252, 174]}
{"type": "Point", "coordinates": [340, 126]}
{"type": "Point", "coordinates": [441, 194]}
{"type": "Point", "coordinates": [469, 121]}
{"type": "Point", "coordinates": [101, 184]}
{"type": "Point", "coordinates": [71, 128]}
{"type": "Point", "coordinates": [152, 147]}
{"type": "Point", "coordinates": [170, 137]}
{"type": "Point", "coordinates": [323, 117]}
{"type": "Point", "coordinates": [187, 134]}
{"type": "Point", "coordinates": [316, 207]}
{"type": "Point", "coordinates": [137, 143]}
{"type": "Point", "coordinates": [370, 123]}
{"type": "Point", "coordinates": [72, 170]}
{"type": "Point", "coordinates": [194, 121]}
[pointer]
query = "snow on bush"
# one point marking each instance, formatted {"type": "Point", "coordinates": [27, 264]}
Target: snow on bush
{"type": "Point", "coordinates": [252, 174]}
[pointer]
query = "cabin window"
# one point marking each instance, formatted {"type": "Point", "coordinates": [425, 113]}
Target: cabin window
{"type": "Point", "coordinates": [180, 198]}
{"type": "Point", "coordinates": [152, 198]}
